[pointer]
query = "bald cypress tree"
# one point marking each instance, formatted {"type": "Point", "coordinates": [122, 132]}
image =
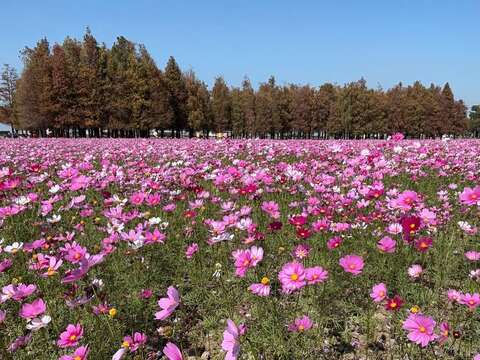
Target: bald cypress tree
{"type": "Point", "coordinates": [221, 106]}
{"type": "Point", "coordinates": [178, 95]}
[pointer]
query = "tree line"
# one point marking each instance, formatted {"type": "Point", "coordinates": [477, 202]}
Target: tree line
{"type": "Point", "coordinates": [83, 88]}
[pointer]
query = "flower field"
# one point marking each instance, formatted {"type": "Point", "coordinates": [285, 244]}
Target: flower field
{"type": "Point", "coordinates": [238, 249]}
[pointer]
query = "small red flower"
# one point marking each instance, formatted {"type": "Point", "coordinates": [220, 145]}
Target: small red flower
{"type": "Point", "coordinates": [394, 304]}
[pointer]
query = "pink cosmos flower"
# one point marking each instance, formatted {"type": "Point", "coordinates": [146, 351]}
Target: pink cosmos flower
{"type": "Point", "coordinates": [470, 196]}
{"type": "Point", "coordinates": [23, 291]}
{"type": "Point", "coordinates": [352, 264]}
{"type": "Point", "coordinates": [415, 271]}
{"type": "Point", "coordinates": [79, 182]}
{"type": "Point", "coordinates": [231, 342]}
{"type": "Point", "coordinates": [70, 337]}
{"type": "Point", "coordinates": [444, 333]}
{"type": "Point", "coordinates": [80, 353]}
{"type": "Point", "coordinates": [154, 237]}
{"type": "Point", "coordinates": [243, 261]}
{"type": "Point", "coordinates": [301, 324]}
{"type": "Point", "coordinates": [5, 264]}
{"type": "Point", "coordinates": [137, 198]}
{"type": "Point", "coordinates": [74, 252]}
{"type": "Point", "coordinates": [316, 274]}
{"type": "Point", "coordinates": [172, 352]}
{"type": "Point", "coordinates": [473, 255]}
{"type": "Point", "coordinates": [53, 265]}
{"type": "Point", "coordinates": [453, 295]}
{"type": "Point", "coordinates": [406, 200]}
{"type": "Point", "coordinates": [420, 329]}
{"type": "Point", "coordinates": [292, 277]}
{"type": "Point", "coordinates": [476, 357]}
{"type": "Point", "coordinates": [257, 255]}
{"type": "Point", "coordinates": [271, 208]}
{"type": "Point", "coordinates": [168, 304]}
{"type": "Point", "coordinates": [379, 292]}
{"type": "Point", "coordinates": [301, 251]}
{"type": "Point", "coordinates": [262, 288]}
{"type": "Point", "coordinates": [387, 245]}
{"type": "Point", "coordinates": [471, 300]}
{"type": "Point", "coordinates": [135, 342]}
{"type": "Point", "coordinates": [30, 311]}
{"type": "Point", "coordinates": [191, 250]}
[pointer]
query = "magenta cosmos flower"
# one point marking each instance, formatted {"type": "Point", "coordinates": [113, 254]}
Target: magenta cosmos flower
{"type": "Point", "coordinates": [352, 264]}
{"type": "Point", "coordinates": [36, 308]}
{"type": "Point", "coordinates": [231, 342]}
{"type": "Point", "coordinates": [470, 196]}
{"type": "Point", "coordinates": [292, 277]}
{"type": "Point", "coordinates": [80, 353]}
{"type": "Point", "coordinates": [168, 304]}
{"type": "Point", "coordinates": [379, 292]}
{"type": "Point", "coordinates": [420, 329]}
{"type": "Point", "coordinates": [71, 335]}
{"type": "Point", "coordinates": [334, 242]}
{"type": "Point", "coordinates": [172, 352]}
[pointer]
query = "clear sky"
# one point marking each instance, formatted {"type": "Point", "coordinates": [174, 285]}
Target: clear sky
{"type": "Point", "coordinates": [298, 41]}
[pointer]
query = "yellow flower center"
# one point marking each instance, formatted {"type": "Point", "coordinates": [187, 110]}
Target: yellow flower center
{"type": "Point", "coordinates": [301, 327]}
{"type": "Point", "coordinates": [422, 329]}
{"type": "Point", "coordinates": [73, 337]}
{"type": "Point", "coordinates": [423, 245]}
{"type": "Point", "coordinates": [112, 312]}
{"type": "Point", "coordinates": [125, 344]}
{"type": "Point", "coordinates": [351, 266]}
{"type": "Point", "coordinates": [294, 277]}
{"type": "Point", "coordinates": [77, 358]}
{"type": "Point", "coordinates": [471, 302]}
{"type": "Point", "coordinates": [50, 271]}
{"type": "Point", "coordinates": [412, 226]}
{"type": "Point", "coordinates": [473, 196]}
{"type": "Point", "coordinates": [381, 293]}
{"type": "Point", "coordinates": [77, 256]}
{"type": "Point", "coordinates": [265, 280]}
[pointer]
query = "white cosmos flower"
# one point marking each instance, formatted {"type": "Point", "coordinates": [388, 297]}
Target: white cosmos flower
{"type": "Point", "coordinates": [54, 189]}
{"type": "Point", "coordinates": [154, 221]}
{"type": "Point", "coordinates": [54, 219]}
{"type": "Point", "coordinates": [22, 200]}
{"type": "Point", "coordinates": [12, 249]}
{"type": "Point", "coordinates": [38, 323]}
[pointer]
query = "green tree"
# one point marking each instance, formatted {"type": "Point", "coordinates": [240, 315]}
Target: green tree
{"type": "Point", "coordinates": [8, 86]}
{"type": "Point", "coordinates": [221, 106]}
{"type": "Point", "coordinates": [178, 95]}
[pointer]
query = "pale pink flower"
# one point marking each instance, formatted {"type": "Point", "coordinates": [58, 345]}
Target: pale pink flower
{"type": "Point", "coordinates": [168, 304]}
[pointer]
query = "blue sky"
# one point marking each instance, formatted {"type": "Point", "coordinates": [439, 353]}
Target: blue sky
{"type": "Point", "coordinates": [297, 41]}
